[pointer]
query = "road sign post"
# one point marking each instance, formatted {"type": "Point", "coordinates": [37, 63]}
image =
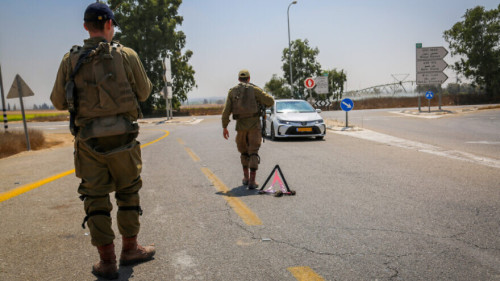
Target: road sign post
{"type": "Point", "coordinates": [20, 89]}
{"type": "Point", "coordinates": [346, 105]}
{"type": "Point", "coordinates": [429, 95]}
{"type": "Point", "coordinates": [429, 68]}
{"type": "Point", "coordinates": [167, 90]}
{"type": "Point", "coordinates": [5, 124]}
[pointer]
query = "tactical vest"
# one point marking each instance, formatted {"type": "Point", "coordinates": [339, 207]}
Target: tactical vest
{"type": "Point", "coordinates": [102, 87]}
{"type": "Point", "coordinates": [243, 101]}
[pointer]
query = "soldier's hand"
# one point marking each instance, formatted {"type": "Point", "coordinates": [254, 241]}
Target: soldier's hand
{"type": "Point", "coordinates": [225, 133]}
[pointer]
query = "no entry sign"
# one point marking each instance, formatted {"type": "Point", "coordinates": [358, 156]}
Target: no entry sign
{"type": "Point", "coordinates": [309, 83]}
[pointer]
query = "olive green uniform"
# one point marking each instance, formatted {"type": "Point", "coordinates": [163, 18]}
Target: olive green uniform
{"type": "Point", "coordinates": [249, 135]}
{"type": "Point", "coordinates": [111, 163]}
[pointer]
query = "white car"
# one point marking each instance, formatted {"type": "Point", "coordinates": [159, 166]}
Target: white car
{"type": "Point", "coordinates": [294, 118]}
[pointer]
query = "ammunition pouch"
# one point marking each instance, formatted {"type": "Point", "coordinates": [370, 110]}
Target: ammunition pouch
{"type": "Point", "coordinates": [107, 126]}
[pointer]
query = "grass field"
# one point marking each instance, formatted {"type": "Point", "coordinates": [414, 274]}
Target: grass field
{"type": "Point", "coordinates": [36, 115]}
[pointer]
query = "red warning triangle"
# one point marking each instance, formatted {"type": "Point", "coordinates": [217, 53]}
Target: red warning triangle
{"type": "Point", "coordinates": [279, 179]}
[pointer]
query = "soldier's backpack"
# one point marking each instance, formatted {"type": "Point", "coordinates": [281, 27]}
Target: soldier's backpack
{"type": "Point", "coordinates": [105, 104]}
{"type": "Point", "coordinates": [243, 101]}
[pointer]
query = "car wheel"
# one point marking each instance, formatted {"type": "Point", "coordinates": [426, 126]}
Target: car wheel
{"type": "Point", "coordinates": [273, 137]}
{"type": "Point", "coordinates": [320, 137]}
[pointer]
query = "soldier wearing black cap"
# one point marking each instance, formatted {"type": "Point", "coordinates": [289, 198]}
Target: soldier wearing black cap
{"type": "Point", "coordinates": [243, 102]}
{"type": "Point", "coordinates": [100, 84]}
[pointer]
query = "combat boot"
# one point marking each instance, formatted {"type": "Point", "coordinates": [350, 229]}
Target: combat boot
{"type": "Point", "coordinates": [106, 267]}
{"type": "Point", "coordinates": [252, 184]}
{"type": "Point", "coordinates": [133, 253]}
{"type": "Point", "coordinates": [246, 176]}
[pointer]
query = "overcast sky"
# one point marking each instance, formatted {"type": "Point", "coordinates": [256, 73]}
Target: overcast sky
{"type": "Point", "coordinates": [370, 39]}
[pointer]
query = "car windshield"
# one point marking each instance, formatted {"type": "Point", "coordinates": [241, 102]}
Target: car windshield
{"type": "Point", "coordinates": [293, 106]}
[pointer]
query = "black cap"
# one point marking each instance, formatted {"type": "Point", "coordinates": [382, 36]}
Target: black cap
{"type": "Point", "coordinates": [99, 12]}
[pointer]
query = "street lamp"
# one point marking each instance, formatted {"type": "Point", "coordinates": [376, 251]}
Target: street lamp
{"type": "Point", "coordinates": [289, 45]}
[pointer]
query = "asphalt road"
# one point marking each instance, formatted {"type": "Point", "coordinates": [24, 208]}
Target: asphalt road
{"type": "Point", "coordinates": [413, 206]}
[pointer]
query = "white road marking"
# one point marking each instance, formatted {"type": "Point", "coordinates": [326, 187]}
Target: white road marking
{"type": "Point", "coordinates": [422, 115]}
{"type": "Point", "coordinates": [195, 121]}
{"type": "Point", "coordinates": [422, 147]}
{"type": "Point", "coordinates": [485, 142]}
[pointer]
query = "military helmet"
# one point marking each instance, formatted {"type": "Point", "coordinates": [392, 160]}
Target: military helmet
{"type": "Point", "coordinates": [244, 74]}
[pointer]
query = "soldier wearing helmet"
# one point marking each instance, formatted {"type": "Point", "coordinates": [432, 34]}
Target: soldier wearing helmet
{"type": "Point", "coordinates": [243, 102]}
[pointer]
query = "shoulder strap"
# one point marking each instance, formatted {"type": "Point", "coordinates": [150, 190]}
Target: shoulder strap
{"type": "Point", "coordinates": [82, 56]}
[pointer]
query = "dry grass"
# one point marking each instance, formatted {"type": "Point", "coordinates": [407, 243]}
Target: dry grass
{"type": "Point", "coordinates": [14, 142]}
{"type": "Point", "coordinates": [489, 107]}
{"type": "Point", "coordinates": [204, 109]}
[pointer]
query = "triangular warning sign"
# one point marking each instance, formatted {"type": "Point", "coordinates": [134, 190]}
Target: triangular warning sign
{"type": "Point", "coordinates": [278, 179]}
{"type": "Point", "coordinates": [19, 88]}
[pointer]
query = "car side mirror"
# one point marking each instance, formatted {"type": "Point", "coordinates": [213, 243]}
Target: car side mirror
{"type": "Point", "coordinates": [268, 111]}
{"type": "Point", "coordinates": [318, 110]}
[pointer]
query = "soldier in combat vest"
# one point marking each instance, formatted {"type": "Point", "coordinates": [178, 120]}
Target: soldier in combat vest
{"type": "Point", "coordinates": [100, 84]}
{"type": "Point", "coordinates": [243, 102]}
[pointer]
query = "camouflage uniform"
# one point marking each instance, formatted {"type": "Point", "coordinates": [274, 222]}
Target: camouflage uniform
{"type": "Point", "coordinates": [248, 128]}
{"type": "Point", "coordinates": [111, 163]}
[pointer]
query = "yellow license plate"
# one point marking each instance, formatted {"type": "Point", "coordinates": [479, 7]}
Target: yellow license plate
{"type": "Point", "coordinates": [304, 129]}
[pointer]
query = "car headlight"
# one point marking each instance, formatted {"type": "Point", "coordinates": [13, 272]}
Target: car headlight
{"type": "Point", "coordinates": [319, 121]}
{"type": "Point", "coordinates": [283, 122]}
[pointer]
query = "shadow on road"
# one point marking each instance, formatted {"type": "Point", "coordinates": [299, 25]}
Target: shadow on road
{"type": "Point", "coordinates": [239, 191]}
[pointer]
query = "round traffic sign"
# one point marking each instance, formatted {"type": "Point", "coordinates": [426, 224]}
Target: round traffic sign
{"type": "Point", "coordinates": [346, 104]}
{"type": "Point", "coordinates": [429, 95]}
{"type": "Point", "coordinates": [309, 83]}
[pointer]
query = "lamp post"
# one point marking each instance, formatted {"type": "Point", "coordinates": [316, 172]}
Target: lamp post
{"type": "Point", "coordinates": [289, 45]}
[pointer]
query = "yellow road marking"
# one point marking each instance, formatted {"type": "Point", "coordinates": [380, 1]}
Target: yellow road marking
{"type": "Point", "coordinates": [158, 139]}
{"type": "Point", "coordinates": [192, 154]}
{"type": "Point", "coordinates": [305, 273]}
{"type": "Point", "coordinates": [181, 141]}
{"type": "Point", "coordinates": [25, 188]}
{"type": "Point", "coordinates": [249, 217]}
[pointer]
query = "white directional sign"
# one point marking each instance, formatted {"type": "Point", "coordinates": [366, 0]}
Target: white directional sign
{"type": "Point", "coordinates": [321, 84]}
{"type": "Point", "coordinates": [431, 78]}
{"type": "Point", "coordinates": [431, 53]}
{"type": "Point", "coordinates": [431, 66]}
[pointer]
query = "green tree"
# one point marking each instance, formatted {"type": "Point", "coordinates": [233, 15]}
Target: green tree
{"type": "Point", "coordinates": [276, 86]}
{"type": "Point", "coordinates": [304, 65]}
{"type": "Point", "coordinates": [149, 27]}
{"type": "Point", "coordinates": [336, 81]}
{"type": "Point", "coordinates": [477, 40]}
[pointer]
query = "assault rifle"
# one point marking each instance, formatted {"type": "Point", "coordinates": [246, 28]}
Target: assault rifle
{"type": "Point", "coordinates": [71, 96]}
{"type": "Point", "coordinates": [262, 113]}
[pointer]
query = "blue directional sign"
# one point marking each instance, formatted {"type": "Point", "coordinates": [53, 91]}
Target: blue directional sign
{"type": "Point", "coordinates": [346, 104]}
{"type": "Point", "coordinates": [429, 95]}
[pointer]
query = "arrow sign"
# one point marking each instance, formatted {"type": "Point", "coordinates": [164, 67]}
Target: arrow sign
{"type": "Point", "coordinates": [431, 65]}
{"type": "Point", "coordinates": [431, 53]}
{"type": "Point", "coordinates": [431, 78]}
{"type": "Point", "coordinates": [346, 104]}
{"type": "Point", "coordinates": [429, 95]}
